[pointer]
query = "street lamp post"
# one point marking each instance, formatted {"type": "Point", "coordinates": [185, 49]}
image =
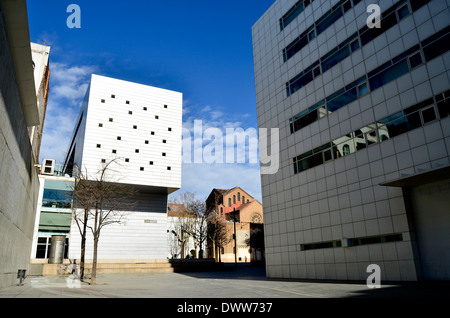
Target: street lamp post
{"type": "Point", "coordinates": [235, 238]}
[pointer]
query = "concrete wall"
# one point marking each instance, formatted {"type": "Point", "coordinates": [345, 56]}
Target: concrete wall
{"type": "Point", "coordinates": [430, 207]}
{"type": "Point", "coordinates": [142, 234]}
{"type": "Point", "coordinates": [18, 179]}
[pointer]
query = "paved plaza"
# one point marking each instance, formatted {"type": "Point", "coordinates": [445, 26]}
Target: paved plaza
{"type": "Point", "coordinates": [244, 281]}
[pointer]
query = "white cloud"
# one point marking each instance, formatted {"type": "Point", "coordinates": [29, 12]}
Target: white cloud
{"type": "Point", "coordinates": [68, 85]}
{"type": "Point", "coordinates": [202, 178]}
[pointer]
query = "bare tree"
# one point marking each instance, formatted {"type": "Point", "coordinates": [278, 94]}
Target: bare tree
{"type": "Point", "coordinates": [185, 221]}
{"type": "Point", "coordinates": [197, 208]}
{"type": "Point", "coordinates": [103, 203]}
{"type": "Point", "coordinates": [83, 201]}
{"type": "Point", "coordinates": [218, 232]}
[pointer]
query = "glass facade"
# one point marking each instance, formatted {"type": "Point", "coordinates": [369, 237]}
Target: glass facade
{"type": "Point", "coordinates": [380, 76]}
{"type": "Point", "coordinates": [396, 124]}
{"type": "Point", "coordinates": [55, 216]}
{"type": "Point", "coordinates": [390, 17]}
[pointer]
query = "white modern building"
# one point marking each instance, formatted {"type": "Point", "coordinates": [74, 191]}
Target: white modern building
{"type": "Point", "coordinates": [364, 125]}
{"type": "Point", "coordinates": [140, 127]}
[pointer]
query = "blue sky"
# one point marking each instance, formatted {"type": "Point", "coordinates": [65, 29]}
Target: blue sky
{"type": "Point", "coordinates": [200, 48]}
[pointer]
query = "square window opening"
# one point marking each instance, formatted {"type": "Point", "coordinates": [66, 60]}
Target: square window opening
{"type": "Point", "coordinates": [415, 60]}
{"type": "Point", "coordinates": [363, 89]}
{"type": "Point", "coordinates": [403, 12]}
{"type": "Point", "coordinates": [354, 45]}
{"type": "Point", "coordinates": [428, 115]}
{"type": "Point", "coordinates": [316, 71]}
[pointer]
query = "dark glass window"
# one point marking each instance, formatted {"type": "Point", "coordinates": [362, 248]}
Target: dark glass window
{"type": "Point", "coordinates": [293, 13]}
{"type": "Point", "coordinates": [57, 199]}
{"type": "Point", "coordinates": [354, 45]}
{"type": "Point", "coordinates": [428, 115]}
{"type": "Point", "coordinates": [342, 100]}
{"type": "Point", "coordinates": [316, 71]}
{"type": "Point", "coordinates": [363, 89]}
{"type": "Point", "coordinates": [335, 58]}
{"type": "Point", "coordinates": [329, 19]}
{"type": "Point", "coordinates": [347, 6]}
{"type": "Point", "coordinates": [416, 4]}
{"type": "Point", "coordinates": [415, 60]}
{"type": "Point", "coordinates": [443, 104]}
{"type": "Point", "coordinates": [388, 75]}
{"type": "Point", "coordinates": [314, 246]}
{"type": "Point", "coordinates": [375, 239]}
{"type": "Point", "coordinates": [403, 12]}
{"type": "Point", "coordinates": [295, 47]}
{"type": "Point", "coordinates": [437, 47]}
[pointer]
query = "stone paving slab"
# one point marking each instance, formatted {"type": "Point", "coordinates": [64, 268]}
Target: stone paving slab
{"type": "Point", "coordinates": [243, 282]}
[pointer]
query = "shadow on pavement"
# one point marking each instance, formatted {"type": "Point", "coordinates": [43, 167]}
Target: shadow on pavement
{"type": "Point", "coordinates": [423, 289]}
{"type": "Point", "coordinates": [244, 271]}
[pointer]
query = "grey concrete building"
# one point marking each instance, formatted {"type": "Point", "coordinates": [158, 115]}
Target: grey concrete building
{"type": "Point", "coordinates": [364, 123]}
{"type": "Point", "coordinates": [18, 113]}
